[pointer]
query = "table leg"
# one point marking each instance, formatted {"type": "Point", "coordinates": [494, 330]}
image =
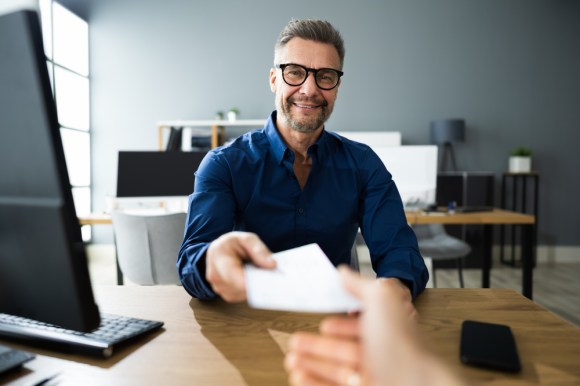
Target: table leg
{"type": "Point", "coordinates": [527, 260]}
{"type": "Point", "coordinates": [119, 272]}
{"type": "Point", "coordinates": [487, 248]}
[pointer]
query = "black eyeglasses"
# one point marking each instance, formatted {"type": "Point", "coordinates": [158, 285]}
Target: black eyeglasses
{"type": "Point", "coordinates": [295, 75]}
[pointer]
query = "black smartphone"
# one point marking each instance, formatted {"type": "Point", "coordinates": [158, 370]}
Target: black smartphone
{"type": "Point", "coordinates": [489, 345]}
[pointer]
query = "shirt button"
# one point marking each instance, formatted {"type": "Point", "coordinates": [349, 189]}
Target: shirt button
{"type": "Point", "coordinates": [301, 211]}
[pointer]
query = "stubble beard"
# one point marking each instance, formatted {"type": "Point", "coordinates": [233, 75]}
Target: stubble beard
{"type": "Point", "coordinates": [305, 124]}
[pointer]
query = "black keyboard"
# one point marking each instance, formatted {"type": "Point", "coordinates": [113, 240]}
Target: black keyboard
{"type": "Point", "coordinates": [11, 358]}
{"type": "Point", "coordinates": [114, 331]}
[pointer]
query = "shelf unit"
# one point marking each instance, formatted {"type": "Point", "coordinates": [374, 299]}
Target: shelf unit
{"type": "Point", "coordinates": [217, 128]}
{"type": "Point", "coordinates": [515, 195]}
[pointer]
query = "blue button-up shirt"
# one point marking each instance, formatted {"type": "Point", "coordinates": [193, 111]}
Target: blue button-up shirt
{"type": "Point", "coordinates": [249, 185]}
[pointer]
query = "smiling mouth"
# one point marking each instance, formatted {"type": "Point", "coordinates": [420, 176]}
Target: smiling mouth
{"type": "Point", "coordinates": [309, 107]}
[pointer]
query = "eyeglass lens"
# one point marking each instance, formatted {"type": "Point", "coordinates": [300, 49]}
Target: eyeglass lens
{"type": "Point", "coordinates": [295, 75]}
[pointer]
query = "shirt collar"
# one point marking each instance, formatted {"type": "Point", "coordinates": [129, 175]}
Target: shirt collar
{"type": "Point", "coordinates": [279, 147]}
{"type": "Point", "coordinates": [276, 143]}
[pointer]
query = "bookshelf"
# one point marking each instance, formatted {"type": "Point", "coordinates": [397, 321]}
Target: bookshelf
{"type": "Point", "coordinates": [215, 127]}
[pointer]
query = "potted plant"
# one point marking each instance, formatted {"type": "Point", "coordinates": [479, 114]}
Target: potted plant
{"type": "Point", "coordinates": [233, 114]}
{"type": "Point", "coordinates": [520, 160]}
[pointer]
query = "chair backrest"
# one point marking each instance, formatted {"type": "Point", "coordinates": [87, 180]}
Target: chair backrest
{"type": "Point", "coordinates": [436, 243]}
{"type": "Point", "coordinates": [427, 231]}
{"type": "Point", "coordinates": [147, 246]}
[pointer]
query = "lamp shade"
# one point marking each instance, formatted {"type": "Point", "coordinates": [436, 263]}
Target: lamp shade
{"type": "Point", "coordinates": [447, 131]}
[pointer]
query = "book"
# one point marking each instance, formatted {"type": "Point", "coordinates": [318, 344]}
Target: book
{"type": "Point", "coordinates": [174, 141]}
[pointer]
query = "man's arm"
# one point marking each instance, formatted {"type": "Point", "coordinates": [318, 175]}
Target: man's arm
{"type": "Point", "coordinates": [391, 241]}
{"type": "Point", "coordinates": [211, 257]}
{"type": "Point", "coordinates": [210, 214]}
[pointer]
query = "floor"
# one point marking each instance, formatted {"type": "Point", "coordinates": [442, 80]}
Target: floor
{"type": "Point", "coordinates": [556, 286]}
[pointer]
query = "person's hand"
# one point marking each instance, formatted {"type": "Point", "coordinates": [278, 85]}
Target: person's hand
{"type": "Point", "coordinates": [335, 357]}
{"type": "Point", "coordinates": [225, 259]}
{"type": "Point", "coordinates": [399, 289]}
{"type": "Point", "coordinates": [380, 347]}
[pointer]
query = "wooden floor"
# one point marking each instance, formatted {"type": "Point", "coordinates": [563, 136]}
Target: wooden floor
{"type": "Point", "coordinates": [556, 286]}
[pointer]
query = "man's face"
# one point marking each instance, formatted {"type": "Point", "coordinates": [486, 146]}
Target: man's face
{"type": "Point", "coordinates": [304, 108]}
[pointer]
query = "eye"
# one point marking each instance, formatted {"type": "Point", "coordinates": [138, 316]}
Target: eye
{"type": "Point", "coordinates": [327, 76]}
{"type": "Point", "coordinates": [295, 72]}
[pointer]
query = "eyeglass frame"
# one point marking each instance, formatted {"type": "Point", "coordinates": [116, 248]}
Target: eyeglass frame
{"type": "Point", "coordinates": [313, 71]}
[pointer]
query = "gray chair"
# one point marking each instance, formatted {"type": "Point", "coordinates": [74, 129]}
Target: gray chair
{"type": "Point", "coordinates": [436, 243]}
{"type": "Point", "coordinates": [147, 246]}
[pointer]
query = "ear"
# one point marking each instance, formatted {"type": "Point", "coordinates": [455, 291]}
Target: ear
{"type": "Point", "coordinates": [273, 78]}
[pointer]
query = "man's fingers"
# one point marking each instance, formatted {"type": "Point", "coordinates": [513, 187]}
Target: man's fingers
{"type": "Point", "coordinates": [229, 280]}
{"type": "Point", "coordinates": [254, 250]}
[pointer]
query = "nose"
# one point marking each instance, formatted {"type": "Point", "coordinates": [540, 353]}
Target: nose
{"type": "Point", "coordinates": [309, 86]}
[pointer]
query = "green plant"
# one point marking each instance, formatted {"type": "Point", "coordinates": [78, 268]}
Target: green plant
{"type": "Point", "coordinates": [522, 151]}
{"type": "Point", "coordinates": [234, 110]}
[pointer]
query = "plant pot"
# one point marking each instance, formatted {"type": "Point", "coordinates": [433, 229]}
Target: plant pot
{"type": "Point", "coordinates": [232, 116]}
{"type": "Point", "coordinates": [520, 164]}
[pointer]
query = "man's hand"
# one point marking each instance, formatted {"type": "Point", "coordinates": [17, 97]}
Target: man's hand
{"type": "Point", "coordinates": [225, 259]}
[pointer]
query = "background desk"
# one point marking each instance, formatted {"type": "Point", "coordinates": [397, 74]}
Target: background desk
{"type": "Point", "coordinates": [223, 344]}
{"type": "Point", "coordinates": [488, 219]}
{"type": "Point", "coordinates": [96, 219]}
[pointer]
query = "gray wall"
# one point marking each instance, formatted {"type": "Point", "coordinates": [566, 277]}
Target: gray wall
{"type": "Point", "coordinates": [509, 67]}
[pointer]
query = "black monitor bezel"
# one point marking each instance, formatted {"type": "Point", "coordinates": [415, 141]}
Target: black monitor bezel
{"type": "Point", "coordinates": [43, 265]}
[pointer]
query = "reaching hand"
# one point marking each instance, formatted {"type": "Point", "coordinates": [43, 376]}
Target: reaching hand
{"type": "Point", "coordinates": [225, 259]}
{"type": "Point", "coordinates": [379, 347]}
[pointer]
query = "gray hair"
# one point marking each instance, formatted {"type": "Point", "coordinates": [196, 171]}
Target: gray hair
{"type": "Point", "coordinates": [310, 29]}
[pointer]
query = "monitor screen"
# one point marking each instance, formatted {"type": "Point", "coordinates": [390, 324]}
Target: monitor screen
{"type": "Point", "coordinates": [157, 173]}
{"type": "Point", "coordinates": [43, 266]}
{"type": "Point", "coordinates": [414, 170]}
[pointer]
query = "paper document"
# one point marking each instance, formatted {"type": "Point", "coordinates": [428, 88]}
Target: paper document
{"type": "Point", "coordinates": [304, 280]}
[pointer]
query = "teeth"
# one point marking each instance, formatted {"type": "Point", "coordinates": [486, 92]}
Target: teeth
{"type": "Point", "coordinates": [307, 107]}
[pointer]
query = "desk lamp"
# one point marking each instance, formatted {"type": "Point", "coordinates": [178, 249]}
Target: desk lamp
{"type": "Point", "coordinates": [445, 132]}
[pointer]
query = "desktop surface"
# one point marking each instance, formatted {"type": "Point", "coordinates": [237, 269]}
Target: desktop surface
{"type": "Point", "coordinates": [214, 343]}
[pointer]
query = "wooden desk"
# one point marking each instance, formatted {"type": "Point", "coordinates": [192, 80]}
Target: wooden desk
{"type": "Point", "coordinates": [488, 219]}
{"type": "Point", "coordinates": [222, 344]}
{"type": "Point", "coordinates": [96, 219]}
{"type": "Point", "coordinates": [497, 217]}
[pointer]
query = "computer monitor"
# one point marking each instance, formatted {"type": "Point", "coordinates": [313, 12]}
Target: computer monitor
{"type": "Point", "coordinates": [157, 173]}
{"type": "Point", "coordinates": [43, 266]}
{"type": "Point", "coordinates": [414, 170]}
{"type": "Point", "coordinates": [374, 138]}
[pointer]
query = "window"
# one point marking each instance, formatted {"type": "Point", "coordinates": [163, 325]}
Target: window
{"type": "Point", "coordinates": [66, 45]}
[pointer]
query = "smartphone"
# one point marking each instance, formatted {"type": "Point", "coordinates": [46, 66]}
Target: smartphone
{"type": "Point", "coordinates": [489, 345]}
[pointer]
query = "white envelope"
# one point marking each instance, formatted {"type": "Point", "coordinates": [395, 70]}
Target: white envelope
{"type": "Point", "coordinates": [304, 280]}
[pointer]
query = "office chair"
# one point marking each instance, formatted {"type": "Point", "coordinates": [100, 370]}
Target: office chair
{"type": "Point", "coordinates": [434, 242]}
{"type": "Point", "coordinates": [147, 246]}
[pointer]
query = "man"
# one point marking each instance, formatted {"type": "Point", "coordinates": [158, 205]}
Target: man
{"type": "Point", "coordinates": [293, 183]}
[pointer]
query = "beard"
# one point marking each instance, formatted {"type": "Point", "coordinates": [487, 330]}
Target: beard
{"type": "Point", "coordinates": [304, 123]}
